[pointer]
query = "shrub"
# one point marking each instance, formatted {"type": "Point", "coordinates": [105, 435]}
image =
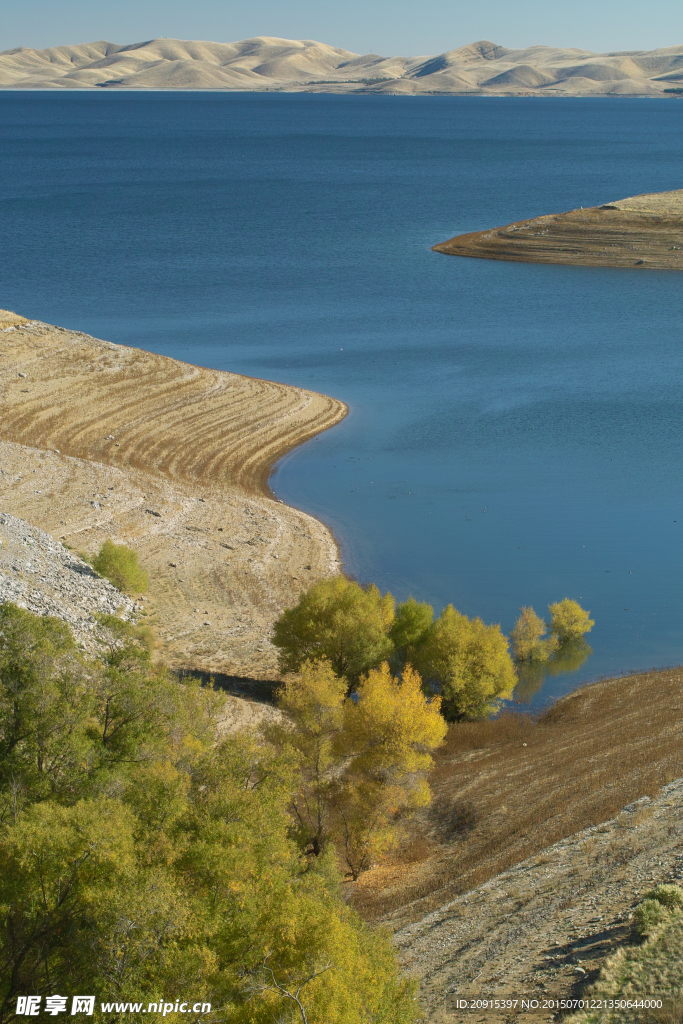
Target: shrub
{"type": "Point", "coordinates": [657, 906]}
{"type": "Point", "coordinates": [569, 620]}
{"type": "Point", "coordinates": [528, 643]}
{"type": "Point", "coordinates": [647, 916]}
{"type": "Point", "coordinates": [670, 896]}
{"type": "Point", "coordinates": [124, 631]}
{"type": "Point", "coordinates": [120, 566]}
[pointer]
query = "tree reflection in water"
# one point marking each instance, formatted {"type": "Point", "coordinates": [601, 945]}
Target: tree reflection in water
{"type": "Point", "coordinates": [532, 675]}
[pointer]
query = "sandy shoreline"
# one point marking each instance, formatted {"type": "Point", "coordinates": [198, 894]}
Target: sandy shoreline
{"type": "Point", "coordinates": [641, 232]}
{"type": "Point", "coordinates": [100, 440]}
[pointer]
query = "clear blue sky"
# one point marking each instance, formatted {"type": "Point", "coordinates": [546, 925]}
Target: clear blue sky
{"type": "Point", "coordinates": [388, 27]}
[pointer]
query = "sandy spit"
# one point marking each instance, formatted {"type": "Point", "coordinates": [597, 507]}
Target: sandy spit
{"type": "Point", "coordinates": [100, 440]}
{"type": "Point", "coordinates": [642, 233]}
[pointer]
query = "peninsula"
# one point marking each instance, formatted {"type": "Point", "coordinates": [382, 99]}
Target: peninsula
{"type": "Point", "coordinates": [643, 232]}
{"type": "Point", "coordinates": [100, 440]}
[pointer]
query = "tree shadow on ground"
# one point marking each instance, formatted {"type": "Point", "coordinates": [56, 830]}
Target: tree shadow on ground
{"type": "Point", "coordinates": [261, 690]}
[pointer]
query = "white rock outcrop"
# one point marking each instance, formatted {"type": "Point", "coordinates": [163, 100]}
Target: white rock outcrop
{"type": "Point", "coordinates": [39, 574]}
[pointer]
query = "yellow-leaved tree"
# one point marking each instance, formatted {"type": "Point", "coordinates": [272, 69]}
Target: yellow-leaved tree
{"type": "Point", "coordinates": [362, 759]}
{"type": "Point", "coordinates": [469, 662]}
{"type": "Point", "coordinates": [314, 701]}
{"type": "Point", "coordinates": [569, 620]}
{"type": "Point", "coordinates": [529, 642]}
{"type": "Point", "coordinates": [390, 730]}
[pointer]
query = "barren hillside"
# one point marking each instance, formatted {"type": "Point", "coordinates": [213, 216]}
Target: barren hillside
{"type": "Point", "coordinates": [542, 836]}
{"type": "Point", "coordinates": [265, 63]}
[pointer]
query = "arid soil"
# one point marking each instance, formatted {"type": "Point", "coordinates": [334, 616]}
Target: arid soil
{"type": "Point", "coordinates": [643, 232]}
{"type": "Point", "coordinates": [542, 930]}
{"type": "Point", "coordinates": [504, 793]}
{"type": "Point", "coordinates": [99, 440]}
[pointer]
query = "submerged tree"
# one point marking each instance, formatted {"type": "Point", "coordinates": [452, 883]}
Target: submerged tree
{"type": "Point", "coordinates": [569, 620]}
{"type": "Point", "coordinates": [568, 657]}
{"type": "Point", "coordinates": [468, 662]}
{"type": "Point", "coordinates": [529, 642]}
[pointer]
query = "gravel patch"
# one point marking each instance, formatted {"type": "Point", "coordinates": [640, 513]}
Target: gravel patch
{"type": "Point", "coordinates": [39, 574]}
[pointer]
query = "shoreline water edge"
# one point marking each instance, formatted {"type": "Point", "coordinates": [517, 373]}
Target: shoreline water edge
{"type": "Point", "coordinates": [101, 440]}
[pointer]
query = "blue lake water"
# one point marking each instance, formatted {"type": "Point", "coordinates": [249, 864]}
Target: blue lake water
{"type": "Point", "coordinates": [515, 431]}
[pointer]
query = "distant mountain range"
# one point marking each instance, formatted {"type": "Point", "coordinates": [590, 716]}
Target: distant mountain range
{"type": "Point", "coordinates": [265, 64]}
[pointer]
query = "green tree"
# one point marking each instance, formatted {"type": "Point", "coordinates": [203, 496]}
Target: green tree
{"type": "Point", "coordinates": [142, 857]}
{"type": "Point", "coordinates": [46, 703]}
{"type": "Point", "coordinates": [120, 566]}
{"type": "Point", "coordinates": [529, 642]}
{"type": "Point", "coordinates": [409, 628]}
{"type": "Point", "coordinates": [339, 621]}
{"type": "Point", "coordinates": [469, 662]}
{"type": "Point", "coordinates": [314, 701]}
{"type": "Point", "coordinates": [569, 620]}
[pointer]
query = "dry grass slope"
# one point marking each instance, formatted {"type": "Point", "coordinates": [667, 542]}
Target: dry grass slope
{"type": "Point", "coordinates": [543, 836]}
{"type": "Point", "coordinates": [94, 400]}
{"type": "Point", "coordinates": [506, 789]}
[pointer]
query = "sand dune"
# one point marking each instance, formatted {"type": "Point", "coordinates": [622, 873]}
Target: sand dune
{"type": "Point", "coordinates": [268, 64]}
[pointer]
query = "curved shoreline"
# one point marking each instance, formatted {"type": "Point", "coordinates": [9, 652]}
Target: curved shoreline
{"type": "Point", "coordinates": [644, 232]}
{"type": "Point", "coordinates": [94, 399]}
{"type": "Point", "coordinates": [100, 440]}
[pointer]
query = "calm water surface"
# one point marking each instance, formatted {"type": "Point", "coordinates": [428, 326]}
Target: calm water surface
{"type": "Point", "coordinates": [515, 431]}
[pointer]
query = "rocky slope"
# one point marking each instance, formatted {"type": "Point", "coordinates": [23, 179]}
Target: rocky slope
{"type": "Point", "coordinates": [542, 930]}
{"type": "Point", "coordinates": [39, 574]}
{"type": "Point", "coordinates": [265, 63]}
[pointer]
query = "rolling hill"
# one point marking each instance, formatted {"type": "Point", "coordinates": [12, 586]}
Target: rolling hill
{"type": "Point", "coordinates": [302, 65]}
